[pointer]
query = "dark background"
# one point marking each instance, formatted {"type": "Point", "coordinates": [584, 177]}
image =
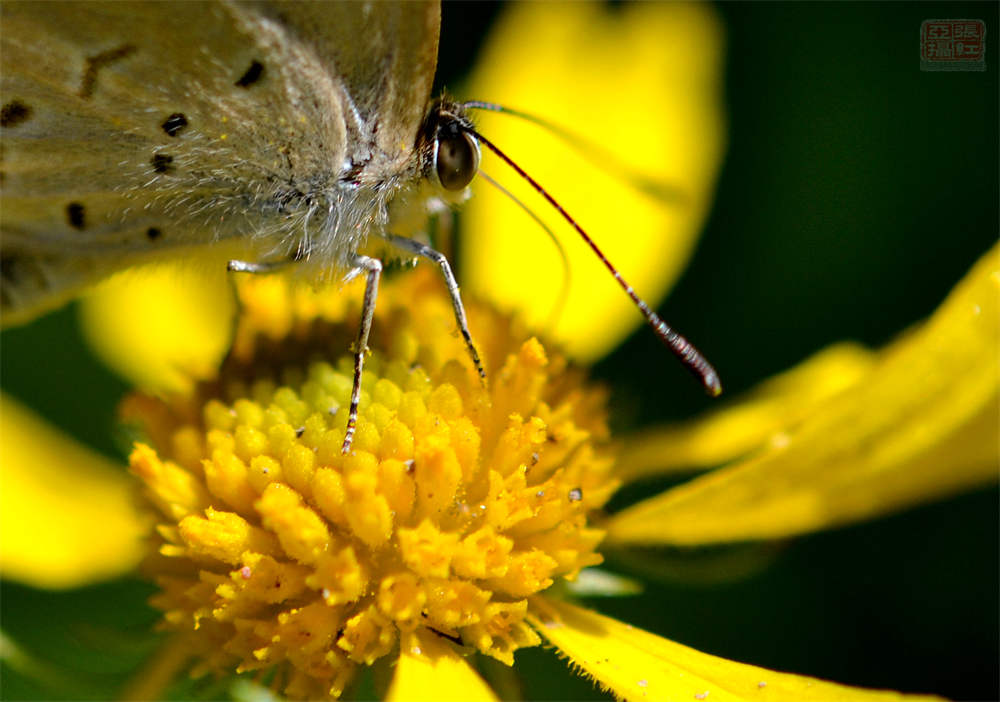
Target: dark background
{"type": "Point", "coordinates": [857, 190]}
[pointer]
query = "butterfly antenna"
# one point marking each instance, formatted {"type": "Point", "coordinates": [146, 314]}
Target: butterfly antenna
{"type": "Point", "coordinates": [681, 347]}
{"type": "Point", "coordinates": [560, 302]}
{"type": "Point", "coordinates": [593, 151]}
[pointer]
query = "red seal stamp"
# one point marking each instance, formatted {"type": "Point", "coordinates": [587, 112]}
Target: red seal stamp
{"type": "Point", "coordinates": [953, 45]}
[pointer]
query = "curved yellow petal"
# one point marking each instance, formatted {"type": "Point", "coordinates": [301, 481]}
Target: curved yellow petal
{"type": "Point", "coordinates": [777, 406]}
{"type": "Point", "coordinates": [637, 665]}
{"type": "Point", "coordinates": [66, 514]}
{"type": "Point", "coordinates": [642, 84]}
{"type": "Point", "coordinates": [159, 326]}
{"type": "Point", "coordinates": [921, 425]}
{"type": "Point", "coordinates": [429, 670]}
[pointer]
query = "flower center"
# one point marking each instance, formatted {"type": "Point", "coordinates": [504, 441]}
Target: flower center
{"type": "Point", "coordinates": [456, 503]}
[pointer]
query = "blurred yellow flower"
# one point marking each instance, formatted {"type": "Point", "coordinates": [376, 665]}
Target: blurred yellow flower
{"type": "Point", "coordinates": [846, 437]}
{"type": "Point", "coordinates": [163, 325]}
{"type": "Point", "coordinates": [53, 493]}
{"type": "Point", "coordinates": [642, 83]}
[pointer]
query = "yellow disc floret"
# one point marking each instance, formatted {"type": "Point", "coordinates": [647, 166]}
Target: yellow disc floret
{"type": "Point", "coordinates": [457, 502]}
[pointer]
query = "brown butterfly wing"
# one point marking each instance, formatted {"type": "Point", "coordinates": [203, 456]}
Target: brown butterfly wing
{"type": "Point", "coordinates": [384, 54]}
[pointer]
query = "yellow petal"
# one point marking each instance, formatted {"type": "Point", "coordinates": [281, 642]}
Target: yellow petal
{"type": "Point", "coordinates": [159, 326]}
{"type": "Point", "coordinates": [767, 413]}
{"type": "Point", "coordinates": [922, 424]}
{"type": "Point", "coordinates": [66, 513]}
{"type": "Point", "coordinates": [644, 83]}
{"type": "Point", "coordinates": [429, 670]}
{"type": "Point", "coordinates": [637, 665]}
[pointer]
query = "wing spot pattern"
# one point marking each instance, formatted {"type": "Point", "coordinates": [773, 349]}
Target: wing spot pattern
{"type": "Point", "coordinates": [174, 124]}
{"type": "Point", "coordinates": [162, 163]}
{"type": "Point", "coordinates": [98, 61]}
{"type": "Point", "coordinates": [14, 113]}
{"type": "Point", "coordinates": [252, 75]}
{"type": "Point", "coordinates": [75, 215]}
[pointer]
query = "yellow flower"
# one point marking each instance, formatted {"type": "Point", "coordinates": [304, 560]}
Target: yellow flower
{"type": "Point", "coordinates": [455, 506]}
{"type": "Point", "coordinates": [276, 553]}
{"type": "Point", "coordinates": [460, 506]}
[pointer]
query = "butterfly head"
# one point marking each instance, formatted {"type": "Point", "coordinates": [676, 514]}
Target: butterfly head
{"type": "Point", "coordinates": [451, 152]}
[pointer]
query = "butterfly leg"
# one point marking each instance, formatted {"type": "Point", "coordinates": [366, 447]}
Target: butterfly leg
{"type": "Point", "coordinates": [419, 249]}
{"type": "Point", "coordinates": [372, 268]}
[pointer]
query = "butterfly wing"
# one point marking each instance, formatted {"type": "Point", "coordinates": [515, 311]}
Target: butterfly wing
{"type": "Point", "coordinates": [133, 130]}
{"type": "Point", "coordinates": [388, 75]}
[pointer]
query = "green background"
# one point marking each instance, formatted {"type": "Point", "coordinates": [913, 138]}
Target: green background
{"type": "Point", "coordinates": [857, 190]}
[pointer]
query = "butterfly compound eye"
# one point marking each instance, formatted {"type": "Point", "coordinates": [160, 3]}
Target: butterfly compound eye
{"type": "Point", "coordinates": [456, 160]}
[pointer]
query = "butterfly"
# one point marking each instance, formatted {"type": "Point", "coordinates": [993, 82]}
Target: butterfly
{"type": "Point", "coordinates": [275, 132]}
{"type": "Point", "coordinates": [266, 133]}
